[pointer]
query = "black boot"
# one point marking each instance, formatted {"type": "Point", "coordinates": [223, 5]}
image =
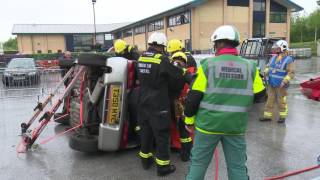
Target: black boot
{"type": "Point", "coordinates": [185, 151]}
{"type": "Point", "coordinates": [265, 119]}
{"type": "Point", "coordinates": [166, 170]}
{"type": "Point", "coordinates": [146, 163]}
{"type": "Point", "coordinates": [281, 120]}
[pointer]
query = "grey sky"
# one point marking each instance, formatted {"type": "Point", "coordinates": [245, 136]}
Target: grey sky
{"type": "Point", "coordinates": [80, 11]}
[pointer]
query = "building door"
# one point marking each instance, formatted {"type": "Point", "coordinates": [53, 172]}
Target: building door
{"type": "Point", "coordinates": [69, 42]}
{"type": "Point", "coordinates": [259, 18]}
{"type": "Point", "coordinates": [187, 44]}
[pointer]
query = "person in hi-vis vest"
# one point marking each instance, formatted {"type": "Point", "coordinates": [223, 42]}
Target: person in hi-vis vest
{"type": "Point", "coordinates": [217, 106]}
{"type": "Point", "coordinates": [279, 73]}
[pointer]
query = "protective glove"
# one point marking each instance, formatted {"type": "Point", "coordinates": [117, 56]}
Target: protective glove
{"type": "Point", "coordinates": [189, 77]}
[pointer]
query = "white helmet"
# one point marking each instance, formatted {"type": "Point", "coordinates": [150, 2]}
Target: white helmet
{"type": "Point", "coordinates": [226, 32]}
{"type": "Point", "coordinates": [158, 38]}
{"type": "Point", "coordinates": [282, 44]}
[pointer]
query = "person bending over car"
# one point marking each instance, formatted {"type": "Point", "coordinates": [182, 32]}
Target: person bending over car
{"type": "Point", "coordinates": [126, 51]}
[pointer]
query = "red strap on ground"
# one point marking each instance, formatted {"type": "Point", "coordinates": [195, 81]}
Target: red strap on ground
{"type": "Point", "coordinates": [216, 157]}
{"type": "Point", "coordinates": [293, 173]}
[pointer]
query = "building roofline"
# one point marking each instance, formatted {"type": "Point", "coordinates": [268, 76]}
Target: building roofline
{"type": "Point", "coordinates": [28, 28]}
{"type": "Point", "coordinates": [294, 7]}
{"type": "Point", "coordinates": [187, 6]}
{"type": "Point", "coordinates": [175, 10]}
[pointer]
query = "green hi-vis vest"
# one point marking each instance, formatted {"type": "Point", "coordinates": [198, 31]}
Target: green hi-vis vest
{"type": "Point", "coordinates": [228, 95]}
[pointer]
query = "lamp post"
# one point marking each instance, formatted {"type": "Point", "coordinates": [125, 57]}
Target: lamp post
{"type": "Point", "coordinates": [94, 22]}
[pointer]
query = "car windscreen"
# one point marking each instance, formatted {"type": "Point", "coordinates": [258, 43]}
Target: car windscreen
{"type": "Point", "coordinates": [25, 63]}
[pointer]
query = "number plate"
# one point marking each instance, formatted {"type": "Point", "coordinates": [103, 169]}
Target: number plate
{"type": "Point", "coordinates": [19, 78]}
{"type": "Point", "coordinates": [114, 104]}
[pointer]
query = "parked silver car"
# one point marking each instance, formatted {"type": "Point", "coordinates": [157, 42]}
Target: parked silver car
{"type": "Point", "coordinates": [20, 72]}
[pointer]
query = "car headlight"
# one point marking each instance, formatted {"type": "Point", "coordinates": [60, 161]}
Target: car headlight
{"type": "Point", "coordinates": [32, 73]}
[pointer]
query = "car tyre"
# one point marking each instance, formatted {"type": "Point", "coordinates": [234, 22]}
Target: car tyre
{"type": "Point", "coordinates": [84, 142]}
{"type": "Point", "coordinates": [88, 59]}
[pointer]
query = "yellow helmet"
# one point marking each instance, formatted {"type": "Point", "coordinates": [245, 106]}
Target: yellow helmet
{"type": "Point", "coordinates": [179, 56]}
{"type": "Point", "coordinates": [174, 45]}
{"type": "Point", "coordinates": [119, 46]}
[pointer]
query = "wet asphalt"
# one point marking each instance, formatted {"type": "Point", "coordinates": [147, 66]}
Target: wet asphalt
{"type": "Point", "coordinates": [272, 149]}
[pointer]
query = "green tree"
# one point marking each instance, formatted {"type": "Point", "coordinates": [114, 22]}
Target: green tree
{"type": "Point", "coordinates": [298, 28]}
{"type": "Point", "coordinates": [10, 45]}
{"type": "Point", "coordinates": [314, 23]}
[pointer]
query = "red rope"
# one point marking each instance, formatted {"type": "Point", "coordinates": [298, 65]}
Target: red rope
{"type": "Point", "coordinates": [216, 157]}
{"type": "Point", "coordinates": [293, 173]}
{"type": "Point", "coordinates": [76, 127]}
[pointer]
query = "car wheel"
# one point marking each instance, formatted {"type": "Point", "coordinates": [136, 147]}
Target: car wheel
{"type": "Point", "coordinates": [84, 142]}
{"type": "Point", "coordinates": [87, 59]}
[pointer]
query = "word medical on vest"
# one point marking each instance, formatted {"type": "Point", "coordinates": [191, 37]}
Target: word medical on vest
{"type": "Point", "coordinates": [231, 70]}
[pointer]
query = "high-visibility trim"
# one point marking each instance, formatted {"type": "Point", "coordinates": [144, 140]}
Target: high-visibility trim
{"type": "Point", "coordinates": [217, 133]}
{"type": "Point", "coordinates": [267, 114]}
{"type": "Point", "coordinates": [276, 76]}
{"type": "Point", "coordinates": [278, 70]}
{"type": "Point", "coordinates": [288, 78]}
{"type": "Point", "coordinates": [266, 70]}
{"type": "Point", "coordinates": [158, 56]}
{"type": "Point", "coordinates": [189, 120]}
{"type": "Point", "coordinates": [137, 128]}
{"type": "Point", "coordinates": [186, 140]}
{"type": "Point", "coordinates": [283, 113]}
{"type": "Point", "coordinates": [146, 156]}
{"type": "Point", "coordinates": [232, 91]}
{"type": "Point", "coordinates": [200, 83]}
{"type": "Point", "coordinates": [162, 162]}
{"type": "Point", "coordinates": [150, 60]}
{"type": "Point", "coordinates": [258, 85]}
{"type": "Point", "coordinates": [224, 108]}
{"type": "Point", "coordinates": [130, 48]}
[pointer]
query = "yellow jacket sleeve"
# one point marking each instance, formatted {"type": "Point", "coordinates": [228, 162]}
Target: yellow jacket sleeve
{"type": "Point", "coordinates": [258, 85]}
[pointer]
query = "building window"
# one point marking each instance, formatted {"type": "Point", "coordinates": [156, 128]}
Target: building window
{"type": "Point", "coordinates": [82, 42]}
{"type": "Point", "coordinates": [140, 30]}
{"type": "Point", "coordinates": [258, 29]}
{"type": "Point", "coordinates": [127, 33]}
{"type": "Point", "coordinates": [108, 37]}
{"type": "Point", "coordinates": [259, 5]}
{"type": "Point", "coordinates": [278, 13]}
{"type": "Point", "coordinates": [278, 17]}
{"type": "Point", "coordinates": [49, 51]}
{"type": "Point", "coordinates": [39, 51]}
{"type": "Point", "coordinates": [243, 3]}
{"type": "Point", "coordinates": [179, 19]}
{"type": "Point", "coordinates": [59, 51]}
{"type": "Point", "coordinates": [156, 25]}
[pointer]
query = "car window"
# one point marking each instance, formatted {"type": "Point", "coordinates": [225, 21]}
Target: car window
{"type": "Point", "coordinates": [25, 63]}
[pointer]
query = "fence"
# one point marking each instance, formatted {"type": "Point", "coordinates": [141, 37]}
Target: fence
{"type": "Point", "coordinates": [301, 52]}
{"type": "Point", "coordinates": [26, 83]}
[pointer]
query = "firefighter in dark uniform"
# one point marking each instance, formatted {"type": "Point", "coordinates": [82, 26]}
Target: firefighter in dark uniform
{"type": "Point", "coordinates": [157, 78]}
{"type": "Point", "coordinates": [175, 45]}
{"type": "Point", "coordinates": [180, 59]}
{"type": "Point", "coordinates": [126, 51]}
